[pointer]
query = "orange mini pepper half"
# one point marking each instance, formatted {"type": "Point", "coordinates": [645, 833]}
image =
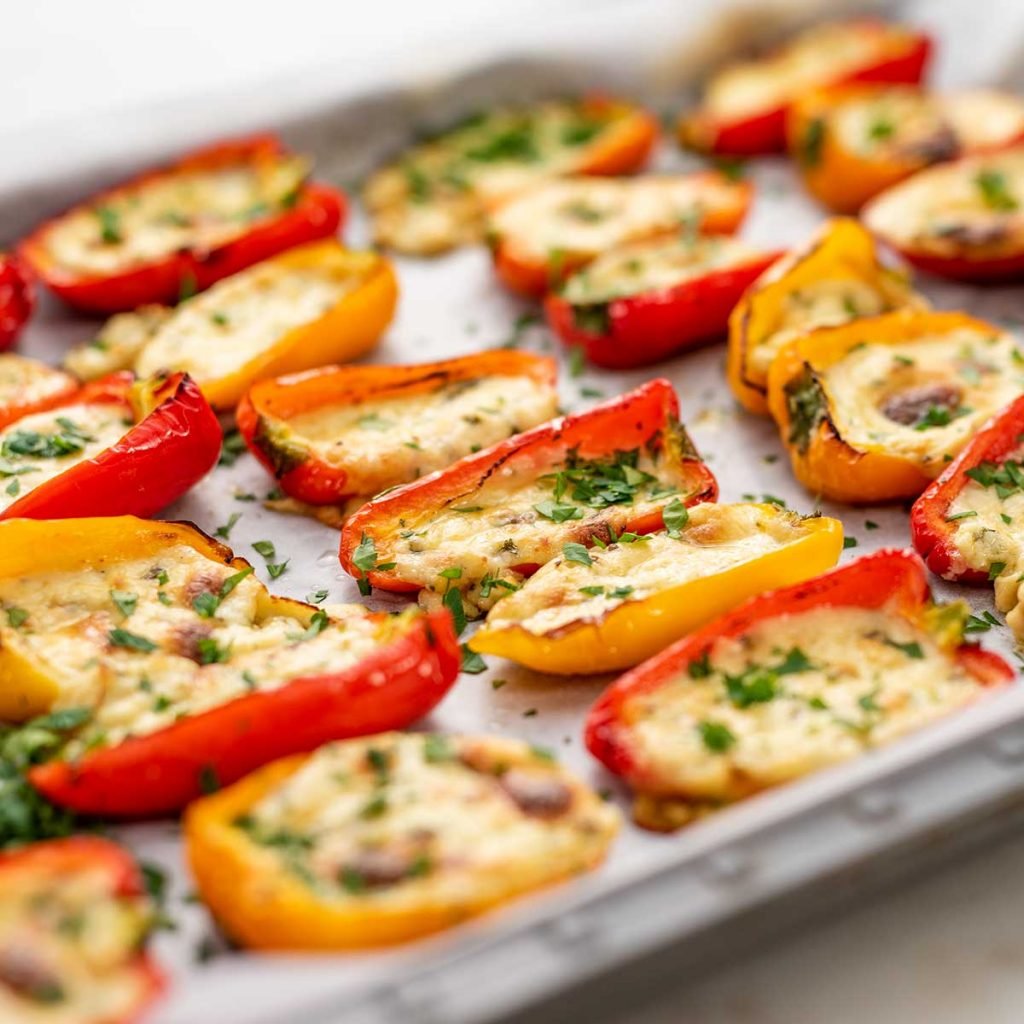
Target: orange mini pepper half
{"type": "Point", "coordinates": [875, 409]}
{"type": "Point", "coordinates": [474, 530]}
{"type": "Point", "coordinates": [157, 438]}
{"type": "Point", "coordinates": [342, 432]}
{"type": "Point", "coordinates": [263, 676]}
{"type": "Point", "coordinates": [176, 230]}
{"type": "Point", "coordinates": [788, 683]}
{"type": "Point", "coordinates": [836, 277]}
{"type": "Point", "coordinates": [54, 898]}
{"type": "Point", "coordinates": [355, 872]}
{"type": "Point", "coordinates": [852, 142]}
{"type": "Point", "coordinates": [635, 599]}
{"type": "Point", "coordinates": [745, 105]}
{"type": "Point", "coordinates": [539, 238]}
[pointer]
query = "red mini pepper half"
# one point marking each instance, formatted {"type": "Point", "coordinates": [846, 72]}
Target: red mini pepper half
{"type": "Point", "coordinates": [932, 521]}
{"type": "Point", "coordinates": [649, 324]}
{"type": "Point", "coordinates": [99, 877]}
{"type": "Point", "coordinates": [889, 580]}
{"type": "Point", "coordinates": [28, 386]}
{"type": "Point", "coordinates": [174, 443]}
{"type": "Point", "coordinates": [645, 419]}
{"type": "Point", "coordinates": [17, 298]}
{"type": "Point", "coordinates": [303, 212]}
{"type": "Point", "coordinates": [413, 660]}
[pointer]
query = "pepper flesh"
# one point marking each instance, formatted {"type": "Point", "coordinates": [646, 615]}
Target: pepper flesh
{"type": "Point", "coordinates": [63, 861]}
{"type": "Point", "coordinates": [415, 663]}
{"type": "Point", "coordinates": [647, 326]}
{"type": "Point", "coordinates": [307, 475]}
{"type": "Point", "coordinates": [640, 627]}
{"type": "Point", "coordinates": [901, 56]}
{"type": "Point", "coordinates": [889, 580]}
{"type": "Point", "coordinates": [822, 459]}
{"type": "Point", "coordinates": [842, 253]}
{"type": "Point", "coordinates": [28, 386]}
{"type": "Point", "coordinates": [173, 444]}
{"type": "Point", "coordinates": [313, 212]}
{"type": "Point", "coordinates": [647, 415]}
{"type": "Point", "coordinates": [17, 299]}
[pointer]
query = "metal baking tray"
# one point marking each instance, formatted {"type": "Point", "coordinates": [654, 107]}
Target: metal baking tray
{"type": "Point", "coordinates": [679, 901]}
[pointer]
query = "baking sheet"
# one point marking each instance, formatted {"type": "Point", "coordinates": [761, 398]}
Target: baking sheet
{"type": "Point", "coordinates": [453, 306]}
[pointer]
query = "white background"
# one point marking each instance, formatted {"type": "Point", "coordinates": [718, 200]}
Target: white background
{"type": "Point", "coordinates": [948, 949]}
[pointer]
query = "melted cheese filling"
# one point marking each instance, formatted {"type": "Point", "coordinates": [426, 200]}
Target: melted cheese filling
{"type": "Point", "coordinates": [897, 123]}
{"type": "Point", "coordinates": [141, 671]}
{"type": "Point", "coordinates": [972, 206]}
{"type": "Point", "coordinates": [240, 318]}
{"type": "Point", "coordinates": [25, 381]}
{"type": "Point", "coordinates": [717, 538]}
{"type": "Point", "coordinates": [407, 817]}
{"type": "Point", "coordinates": [435, 197]}
{"type": "Point", "coordinates": [653, 266]}
{"type": "Point", "coordinates": [118, 343]}
{"type": "Point", "coordinates": [389, 441]}
{"type": "Point", "coordinates": [989, 534]}
{"type": "Point", "coordinates": [66, 948]}
{"type": "Point", "coordinates": [198, 210]}
{"type": "Point", "coordinates": [490, 531]}
{"type": "Point", "coordinates": [828, 302]}
{"type": "Point", "coordinates": [37, 448]}
{"type": "Point", "coordinates": [814, 58]}
{"type": "Point", "coordinates": [984, 117]}
{"type": "Point", "coordinates": [806, 691]}
{"type": "Point", "coordinates": [586, 216]}
{"type": "Point", "coordinates": [981, 368]}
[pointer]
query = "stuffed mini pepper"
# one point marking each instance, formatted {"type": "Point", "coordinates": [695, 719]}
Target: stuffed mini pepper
{"type": "Point", "coordinates": [540, 237]}
{"type": "Point", "coordinates": [968, 524]}
{"type": "Point", "coordinates": [468, 534]}
{"type": "Point", "coordinates": [17, 299]}
{"type": "Point", "coordinates": [337, 436]}
{"type": "Point", "coordinates": [854, 141]}
{"type": "Point", "coordinates": [113, 447]}
{"type": "Point", "coordinates": [628, 600]}
{"type": "Point", "coordinates": [837, 277]}
{"type": "Point", "coordinates": [791, 682]}
{"type": "Point", "coordinates": [875, 410]}
{"type": "Point", "coordinates": [183, 672]}
{"type": "Point", "coordinates": [27, 386]}
{"type": "Point", "coordinates": [177, 230]}
{"type": "Point", "coordinates": [317, 304]}
{"type": "Point", "coordinates": [643, 302]}
{"type": "Point", "coordinates": [381, 840]}
{"type": "Point", "coordinates": [74, 918]}
{"type": "Point", "coordinates": [963, 220]}
{"type": "Point", "coordinates": [744, 109]}
{"type": "Point", "coordinates": [436, 195]}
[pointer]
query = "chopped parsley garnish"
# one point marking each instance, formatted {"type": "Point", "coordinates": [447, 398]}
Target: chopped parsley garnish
{"type": "Point", "coordinates": [210, 652]}
{"type": "Point", "coordinates": [849, 542]}
{"type": "Point", "coordinates": [805, 403]}
{"type": "Point", "coordinates": [994, 191]}
{"type": "Point", "coordinates": [110, 225]}
{"type": "Point", "coordinates": [1006, 478]}
{"type": "Point", "coordinates": [373, 421]}
{"type": "Point", "coordinates": [969, 514]}
{"type": "Point", "coordinates": [717, 737]}
{"type": "Point", "coordinates": [364, 558]}
{"type": "Point", "coordinates": [130, 641]}
{"type": "Point", "coordinates": [676, 516]}
{"type": "Point", "coordinates": [231, 448]}
{"type": "Point", "coordinates": [317, 596]}
{"type": "Point", "coordinates": [472, 663]}
{"type": "Point", "coordinates": [701, 668]}
{"type": "Point", "coordinates": [206, 604]}
{"type": "Point", "coordinates": [125, 601]}
{"type": "Point", "coordinates": [911, 649]}
{"type": "Point", "coordinates": [980, 623]}
{"type": "Point", "coordinates": [940, 416]}
{"type": "Point", "coordinates": [224, 531]}
{"type": "Point", "coordinates": [558, 512]}
{"type": "Point", "coordinates": [16, 617]}
{"type": "Point", "coordinates": [68, 440]}
{"type": "Point", "coordinates": [995, 569]}
{"type": "Point", "coordinates": [452, 600]}
{"type": "Point", "coordinates": [574, 552]}
{"type": "Point", "coordinates": [437, 749]}
{"type": "Point", "coordinates": [810, 147]}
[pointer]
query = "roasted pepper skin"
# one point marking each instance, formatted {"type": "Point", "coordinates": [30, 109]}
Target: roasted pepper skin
{"type": "Point", "coordinates": [318, 212]}
{"type": "Point", "coordinates": [174, 444]}
{"type": "Point", "coordinates": [15, 410]}
{"type": "Point", "coordinates": [301, 473]}
{"type": "Point", "coordinates": [654, 325]}
{"type": "Point", "coordinates": [765, 132]}
{"type": "Point", "coordinates": [829, 466]}
{"type": "Point", "coordinates": [840, 243]}
{"type": "Point", "coordinates": [638, 630]}
{"type": "Point", "coordinates": [161, 772]}
{"type": "Point", "coordinates": [619, 424]}
{"type": "Point", "coordinates": [930, 531]}
{"type": "Point", "coordinates": [91, 854]}
{"type": "Point", "coordinates": [17, 298]}
{"type": "Point", "coordinates": [889, 579]}
{"type": "Point", "coordinates": [527, 275]}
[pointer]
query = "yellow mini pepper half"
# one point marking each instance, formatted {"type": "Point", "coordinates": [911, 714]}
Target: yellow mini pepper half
{"type": "Point", "coordinates": [620, 605]}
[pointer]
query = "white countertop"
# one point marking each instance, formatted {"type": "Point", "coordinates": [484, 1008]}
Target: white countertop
{"type": "Point", "coordinates": [949, 949]}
